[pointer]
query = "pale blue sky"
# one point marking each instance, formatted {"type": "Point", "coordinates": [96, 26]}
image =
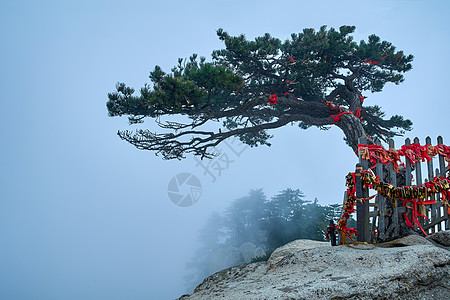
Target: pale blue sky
{"type": "Point", "coordinates": [84, 215]}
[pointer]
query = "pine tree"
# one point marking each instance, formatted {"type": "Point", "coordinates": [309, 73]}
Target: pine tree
{"type": "Point", "coordinates": [243, 219]}
{"type": "Point", "coordinates": [266, 223]}
{"type": "Point", "coordinates": [285, 213]}
{"type": "Point", "coordinates": [315, 78]}
{"type": "Point", "coordinates": [214, 233]}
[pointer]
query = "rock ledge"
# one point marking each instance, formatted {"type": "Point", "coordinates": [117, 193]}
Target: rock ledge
{"type": "Point", "coordinates": [408, 268]}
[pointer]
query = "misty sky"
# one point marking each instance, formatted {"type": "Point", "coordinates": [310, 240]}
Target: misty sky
{"type": "Point", "coordinates": [84, 215]}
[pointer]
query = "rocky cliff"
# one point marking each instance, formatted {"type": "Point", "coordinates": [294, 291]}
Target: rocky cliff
{"type": "Point", "coordinates": [409, 268]}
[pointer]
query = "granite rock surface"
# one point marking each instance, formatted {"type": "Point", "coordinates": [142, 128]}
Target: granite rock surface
{"type": "Point", "coordinates": [409, 268]}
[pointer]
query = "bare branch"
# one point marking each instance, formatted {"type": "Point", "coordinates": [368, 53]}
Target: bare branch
{"type": "Point", "coordinates": [170, 145]}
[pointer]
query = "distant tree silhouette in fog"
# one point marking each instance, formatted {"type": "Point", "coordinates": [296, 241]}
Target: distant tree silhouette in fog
{"type": "Point", "coordinates": [253, 226]}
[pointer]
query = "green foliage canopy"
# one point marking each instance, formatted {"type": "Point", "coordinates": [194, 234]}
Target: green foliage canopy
{"type": "Point", "coordinates": [313, 74]}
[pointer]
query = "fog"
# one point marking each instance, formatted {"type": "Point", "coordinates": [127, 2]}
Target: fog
{"type": "Point", "coordinates": [85, 215]}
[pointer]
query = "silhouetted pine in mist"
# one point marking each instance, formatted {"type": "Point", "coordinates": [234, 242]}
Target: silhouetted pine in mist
{"type": "Point", "coordinates": [265, 223]}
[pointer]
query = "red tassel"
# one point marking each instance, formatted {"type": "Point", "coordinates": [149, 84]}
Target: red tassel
{"type": "Point", "coordinates": [371, 62]}
{"type": "Point", "coordinates": [273, 99]}
{"type": "Point", "coordinates": [338, 117]}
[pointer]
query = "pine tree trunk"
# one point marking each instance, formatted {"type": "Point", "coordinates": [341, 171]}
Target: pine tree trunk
{"type": "Point", "coordinates": [394, 232]}
{"type": "Point", "coordinates": [353, 130]}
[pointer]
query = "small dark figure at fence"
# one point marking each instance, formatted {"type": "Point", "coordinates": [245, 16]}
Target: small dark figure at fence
{"type": "Point", "coordinates": [331, 233]}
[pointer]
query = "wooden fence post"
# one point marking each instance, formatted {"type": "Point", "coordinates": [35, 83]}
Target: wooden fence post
{"type": "Point", "coordinates": [443, 172]}
{"type": "Point", "coordinates": [381, 201]}
{"type": "Point", "coordinates": [419, 181]}
{"type": "Point", "coordinates": [430, 178]}
{"type": "Point", "coordinates": [341, 237]}
{"type": "Point", "coordinates": [393, 230]}
{"type": "Point", "coordinates": [408, 179]}
{"type": "Point", "coordinates": [438, 205]}
{"type": "Point", "coordinates": [362, 208]}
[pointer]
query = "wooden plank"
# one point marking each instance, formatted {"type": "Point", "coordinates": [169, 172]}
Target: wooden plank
{"type": "Point", "coordinates": [364, 162]}
{"type": "Point", "coordinates": [362, 209]}
{"type": "Point", "coordinates": [373, 214]}
{"type": "Point", "coordinates": [443, 172]}
{"type": "Point", "coordinates": [438, 206]}
{"type": "Point", "coordinates": [393, 181]}
{"type": "Point", "coordinates": [408, 176]}
{"type": "Point", "coordinates": [341, 237]}
{"type": "Point", "coordinates": [430, 178]}
{"type": "Point", "coordinates": [418, 167]}
{"type": "Point", "coordinates": [401, 209]}
{"type": "Point", "coordinates": [433, 223]}
{"type": "Point", "coordinates": [419, 181]}
{"type": "Point", "coordinates": [408, 166]}
{"type": "Point", "coordinates": [442, 166]}
{"type": "Point", "coordinates": [381, 201]}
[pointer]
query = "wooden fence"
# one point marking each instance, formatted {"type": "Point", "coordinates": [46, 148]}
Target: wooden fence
{"type": "Point", "coordinates": [383, 217]}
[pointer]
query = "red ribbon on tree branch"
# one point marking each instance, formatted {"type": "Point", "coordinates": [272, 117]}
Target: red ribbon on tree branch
{"type": "Point", "coordinates": [341, 113]}
{"type": "Point", "coordinates": [374, 62]}
{"type": "Point", "coordinates": [273, 99]}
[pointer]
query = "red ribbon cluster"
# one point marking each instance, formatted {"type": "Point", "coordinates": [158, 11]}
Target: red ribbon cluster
{"type": "Point", "coordinates": [415, 214]}
{"type": "Point", "coordinates": [375, 153]}
{"type": "Point", "coordinates": [273, 99]}
{"type": "Point", "coordinates": [349, 208]}
{"type": "Point", "coordinates": [413, 153]}
{"type": "Point", "coordinates": [338, 117]}
{"type": "Point", "coordinates": [416, 152]}
{"type": "Point", "coordinates": [341, 113]}
{"type": "Point", "coordinates": [342, 225]}
{"type": "Point", "coordinates": [371, 62]}
{"type": "Point", "coordinates": [412, 196]}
